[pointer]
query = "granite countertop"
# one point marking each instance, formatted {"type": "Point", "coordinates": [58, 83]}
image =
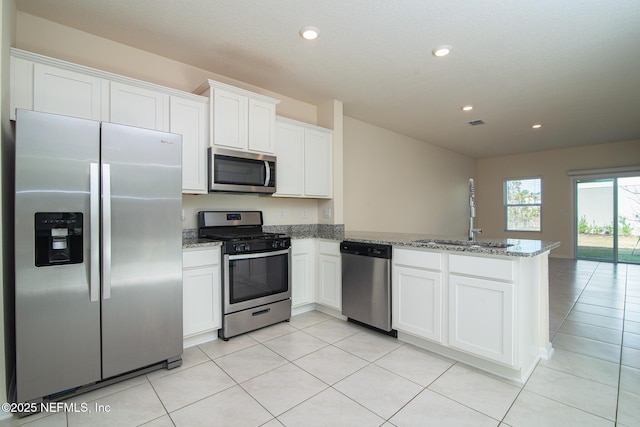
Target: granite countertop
{"type": "Point", "coordinates": [192, 242]}
{"type": "Point", "coordinates": [505, 247]}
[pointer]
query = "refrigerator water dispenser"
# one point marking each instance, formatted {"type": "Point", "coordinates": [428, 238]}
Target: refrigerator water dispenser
{"type": "Point", "coordinates": [58, 238]}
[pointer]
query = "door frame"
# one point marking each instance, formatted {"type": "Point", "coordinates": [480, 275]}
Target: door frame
{"type": "Point", "coordinates": [595, 174]}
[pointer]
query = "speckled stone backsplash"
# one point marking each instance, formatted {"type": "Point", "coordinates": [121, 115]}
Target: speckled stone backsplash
{"type": "Point", "coordinates": [308, 231]}
{"type": "Point", "coordinates": [189, 233]}
{"type": "Point", "coordinates": [296, 231]}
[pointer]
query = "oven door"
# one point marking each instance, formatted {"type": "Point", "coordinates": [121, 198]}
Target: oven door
{"type": "Point", "coordinates": [255, 279]}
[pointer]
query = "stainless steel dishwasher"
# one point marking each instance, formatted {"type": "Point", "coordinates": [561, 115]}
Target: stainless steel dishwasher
{"type": "Point", "coordinates": [366, 284]}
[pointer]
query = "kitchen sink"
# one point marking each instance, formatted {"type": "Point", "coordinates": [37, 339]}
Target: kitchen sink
{"type": "Point", "coordinates": [470, 244]}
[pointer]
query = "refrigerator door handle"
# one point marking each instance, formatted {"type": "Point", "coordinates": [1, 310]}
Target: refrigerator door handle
{"type": "Point", "coordinates": [94, 226]}
{"type": "Point", "coordinates": [106, 231]}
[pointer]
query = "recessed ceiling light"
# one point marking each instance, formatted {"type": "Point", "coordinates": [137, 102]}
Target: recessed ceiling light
{"type": "Point", "coordinates": [467, 108]}
{"type": "Point", "coordinates": [309, 32]}
{"type": "Point", "coordinates": [536, 126]}
{"type": "Point", "coordinates": [441, 51]}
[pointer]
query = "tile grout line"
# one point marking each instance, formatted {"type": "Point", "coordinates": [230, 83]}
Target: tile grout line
{"type": "Point", "coordinates": [564, 319]}
{"type": "Point", "coordinates": [624, 315]}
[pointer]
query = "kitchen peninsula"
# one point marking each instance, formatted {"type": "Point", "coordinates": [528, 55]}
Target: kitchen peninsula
{"type": "Point", "coordinates": [484, 303]}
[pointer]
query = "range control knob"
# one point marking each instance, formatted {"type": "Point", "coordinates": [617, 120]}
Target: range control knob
{"type": "Point", "coordinates": [241, 247]}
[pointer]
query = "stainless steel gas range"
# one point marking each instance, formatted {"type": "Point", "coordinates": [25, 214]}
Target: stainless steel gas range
{"type": "Point", "coordinates": [256, 274]}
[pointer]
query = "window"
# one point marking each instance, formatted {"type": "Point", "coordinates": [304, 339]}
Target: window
{"type": "Point", "coordinates": [523, 204]}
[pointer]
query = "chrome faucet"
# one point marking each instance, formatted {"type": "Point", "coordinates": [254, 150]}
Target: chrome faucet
{"type": "Point", "coordinates": [472, 211]}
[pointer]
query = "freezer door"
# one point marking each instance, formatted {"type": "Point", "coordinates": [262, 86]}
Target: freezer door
{"type": "Point", "coordinates": [142, 247]}
{"type": "Point", "coordinates": [57, 325]}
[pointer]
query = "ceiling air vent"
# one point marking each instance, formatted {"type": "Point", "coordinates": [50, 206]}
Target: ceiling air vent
{"type": "Point", "coordinates": [476, 122]}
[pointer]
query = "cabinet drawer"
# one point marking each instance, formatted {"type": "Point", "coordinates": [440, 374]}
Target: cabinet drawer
{"type": "Point", "coordinates": [420, 259]}
{"type": "Point", "coordinates": [200, 257]}
{"type": "Point", "coordinates": [500, 269]}
{"type": "Point", "coordinates": [329, 247]}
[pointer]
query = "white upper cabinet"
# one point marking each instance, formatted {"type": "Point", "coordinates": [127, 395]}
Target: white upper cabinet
{"type": "Point", "coordinates": [240, 119]}
{"type": "Point", "coordinates": [317, 163]}
{"type": "Point", "coordinates": [189, 119]}
{"type": "Point", "coordinates": [262, 126]}
{"type": "Point", "coordinates": [304, 156]}
{"type": "Point", "coordinates": [140, 107]}
{"type": "Point", "coordinates": [50, 85]}
{"type": "Point", "coordinates": [230, 115]}
{"type": "Point", "coordinates": [41, 87]}
{"type": "Point", "coordinates": [290, 159]}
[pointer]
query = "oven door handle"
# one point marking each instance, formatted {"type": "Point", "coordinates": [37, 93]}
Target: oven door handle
{"type": "Point", "coordinates": [258, 255]}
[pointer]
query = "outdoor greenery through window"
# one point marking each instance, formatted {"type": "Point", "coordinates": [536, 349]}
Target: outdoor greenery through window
{"type": "Point", "coordinates": [523, 204]}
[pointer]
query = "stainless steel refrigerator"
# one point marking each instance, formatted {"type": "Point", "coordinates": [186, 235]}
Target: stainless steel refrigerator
{"type": "Point", "coordinates": [98, 252]}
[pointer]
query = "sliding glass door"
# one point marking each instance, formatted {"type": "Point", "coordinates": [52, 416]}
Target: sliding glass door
{"type": "Point", "coordinates": [608, 219]}
{"type": "Point", "coordinates": [628, 232]}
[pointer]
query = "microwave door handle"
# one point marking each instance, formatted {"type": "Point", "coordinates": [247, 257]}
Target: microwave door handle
{"type": "Point", "coordinates": [268, 173]}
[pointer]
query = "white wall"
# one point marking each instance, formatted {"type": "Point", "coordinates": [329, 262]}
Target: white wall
{"type": "Point", "coordinates": [557, 203]}
{"type": "Point", "coordinates": [38, 35]}
{"type": "Point", "coordinates": [399, 184]}
{"type": "Point", "coordinates": [271, 207]}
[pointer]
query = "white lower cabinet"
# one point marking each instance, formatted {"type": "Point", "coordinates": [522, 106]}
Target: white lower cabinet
{"type": "Point", "coordinates": [329, 274]}
{"type": "Point", "coordinates": [481, 317]}
{"type": "Point", "coordinates": [417, 302]}
{"type": "Point", "coordinates": [460, 303]}
{"type": "Point", "coordinates": [302, 272]}
{"type": "Point", "coordinates": [417, 296]}
{"type": "Point", "coordinates": [202, 310]}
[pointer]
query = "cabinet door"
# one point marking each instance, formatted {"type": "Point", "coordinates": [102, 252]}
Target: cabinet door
{"type": "Point", "coordinates": [262, 121]}
{"type": "Point", "coordinates": [329, 275]}
{"type": "Point", "coordinates": [21, 89]}
{"type": "Point", "coordinates": [189, 119]}
{"type": "Point", "coordinates": [481, 317]}
{"type": "Point", "coordinates": [201, 300]}
{"type": "Point", "coordinates": [317, 164]}
{"type": "Point", "coordinates": [230, 114]}
{"type": "Point", "coordinates": [66, 92]}
{"type": "Point", "coordinates": [290, 157]}
{"type": "Point", "coordinates": [302, 268]}
{"type": "Point", "coordinates": [140, 107]}
{"type": "Point", "coordinates": [417, 302]}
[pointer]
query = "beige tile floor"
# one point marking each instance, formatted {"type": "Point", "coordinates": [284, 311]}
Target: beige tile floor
{"type": "Point", "coordinates": [320, 371]}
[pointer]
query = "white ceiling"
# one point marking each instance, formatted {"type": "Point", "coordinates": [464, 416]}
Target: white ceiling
{"type": "Point", "coordinates": [572, 65]}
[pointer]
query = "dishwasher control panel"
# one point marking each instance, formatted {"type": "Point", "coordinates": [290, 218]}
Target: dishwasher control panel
{"type": "Point", "coordinates": [366, 249]}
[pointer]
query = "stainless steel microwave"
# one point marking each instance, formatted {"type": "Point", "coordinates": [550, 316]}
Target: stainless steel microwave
{"type": "Point", "coordinates": [240, 172]}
